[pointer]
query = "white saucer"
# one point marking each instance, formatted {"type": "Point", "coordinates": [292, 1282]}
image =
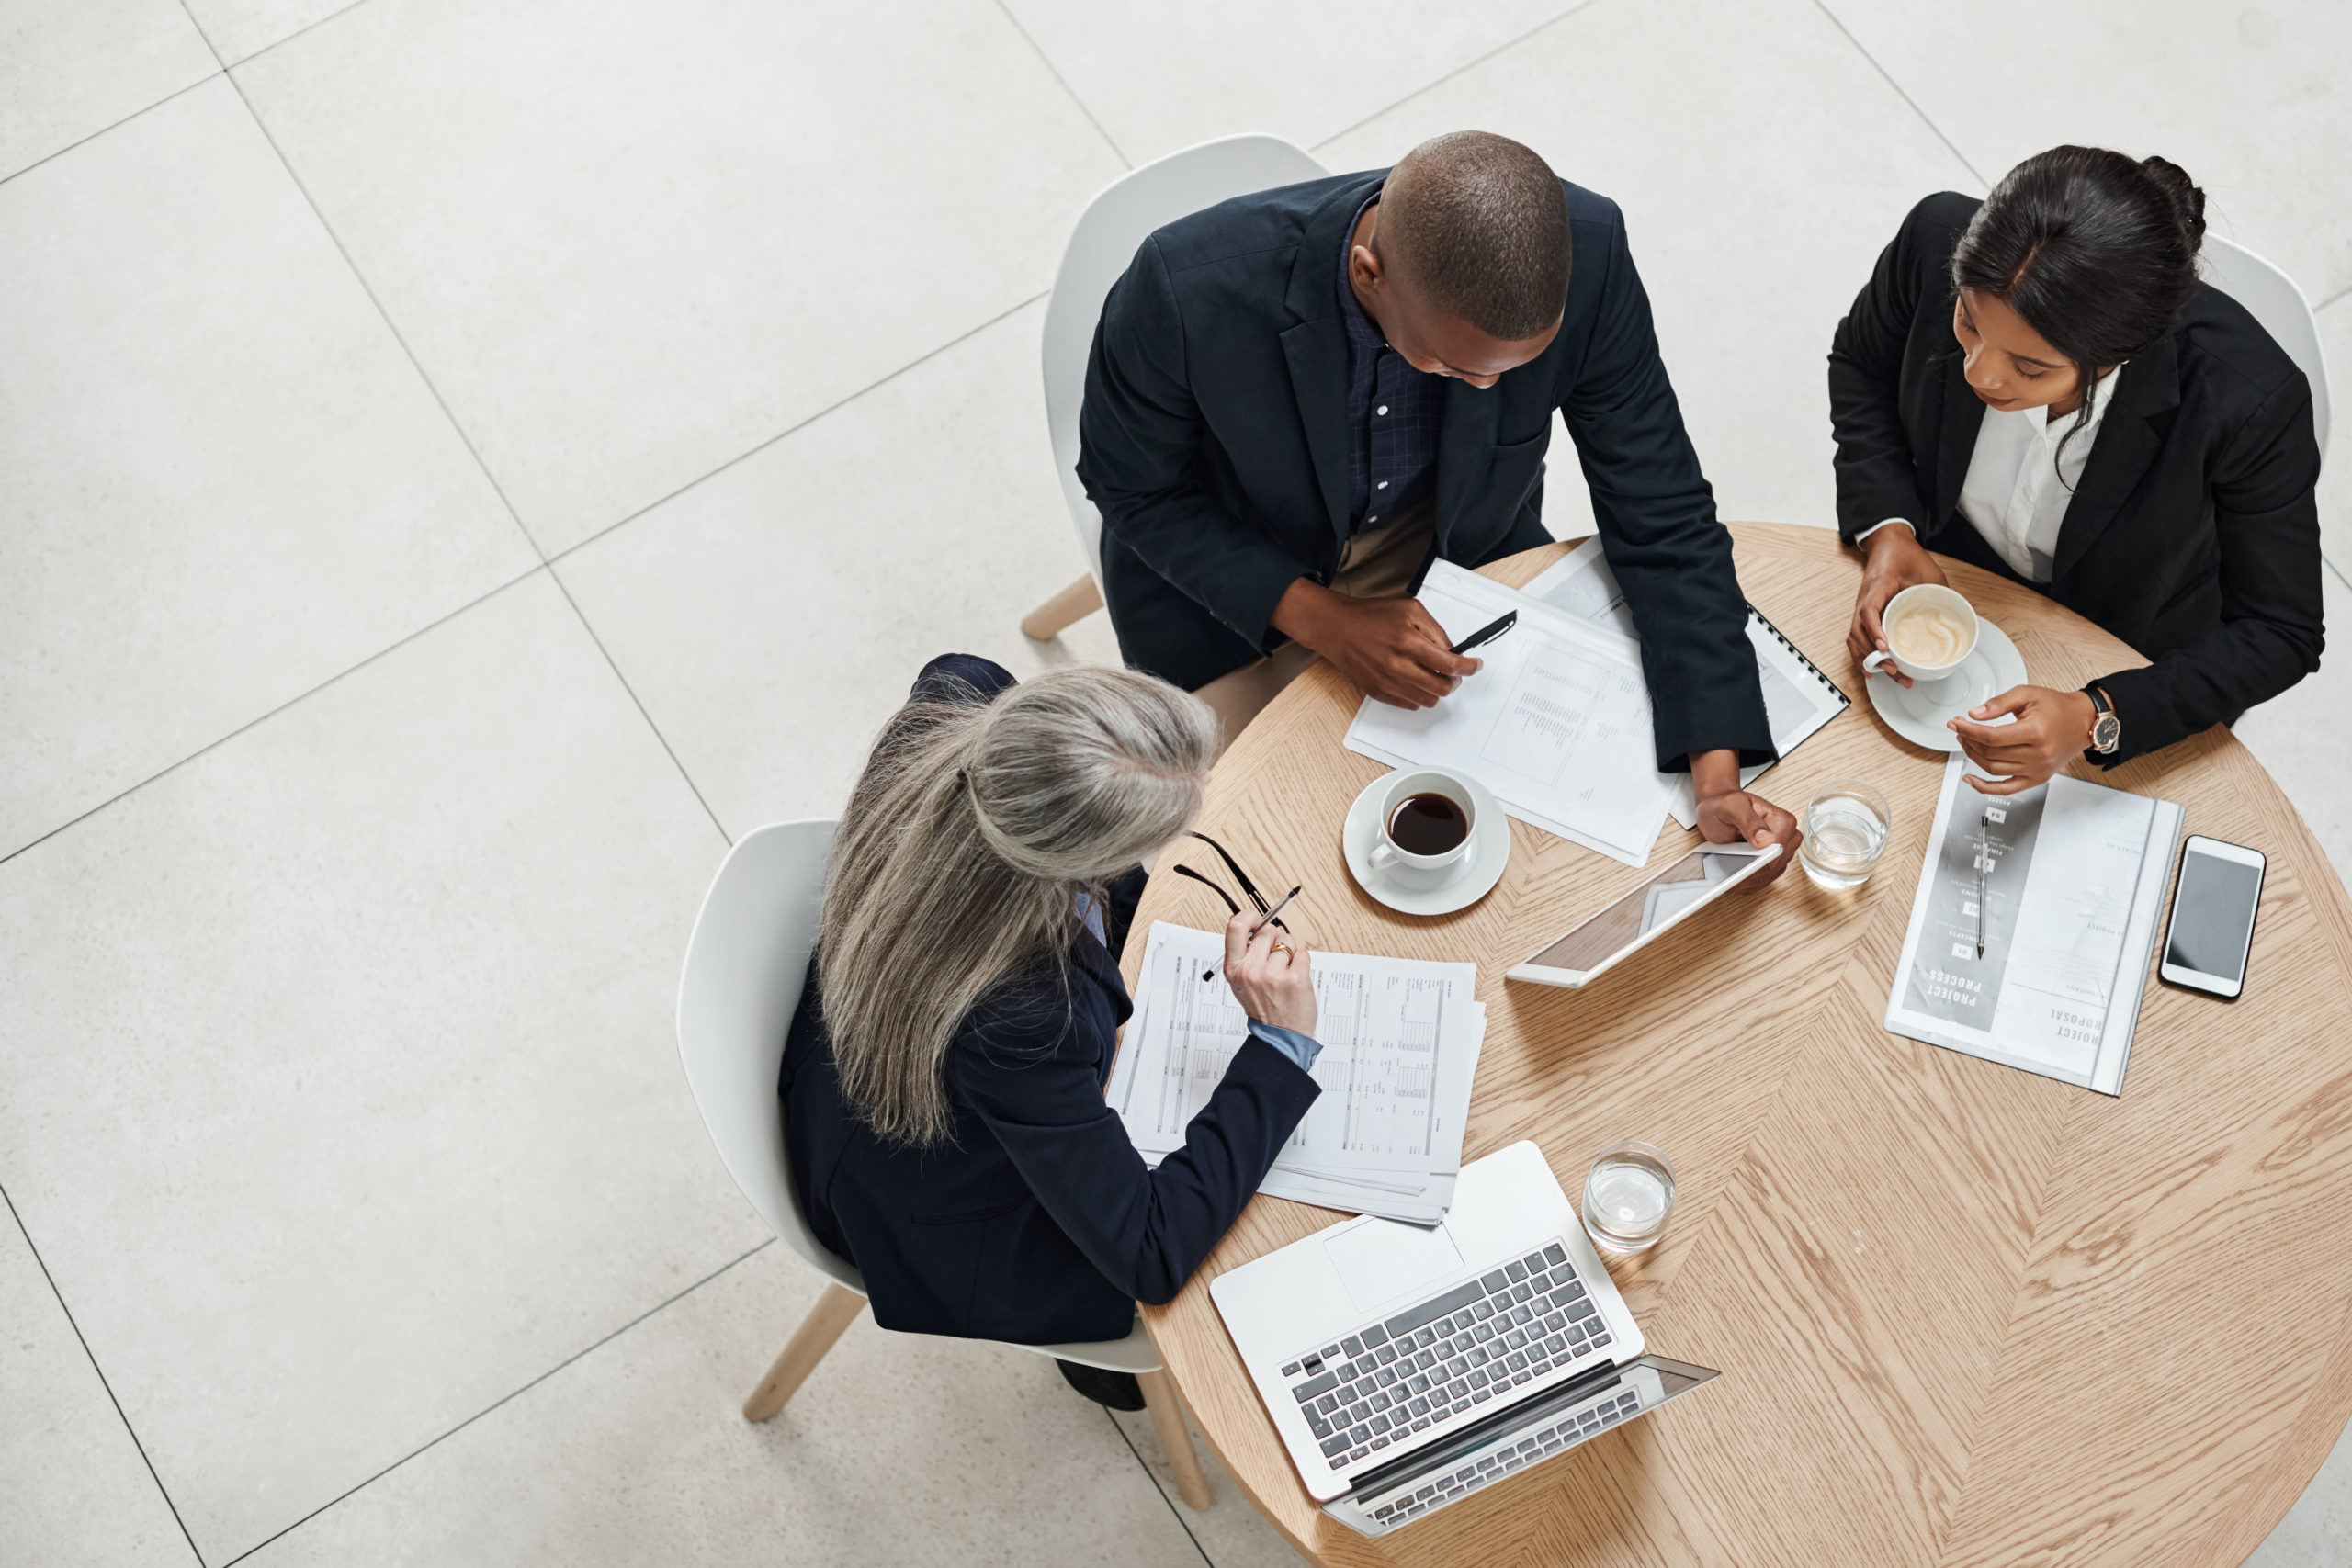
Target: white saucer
{"type": "Point", "coordinates": [1472, 881]}
{"type": "Point", "coordinates": [1992, 669]}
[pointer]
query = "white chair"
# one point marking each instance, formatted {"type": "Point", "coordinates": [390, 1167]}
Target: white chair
{"type": "Point", "coordinates": [2271, 297]}
{"type": "Point", "coordinates": [1099, 249]}
{"type": "Point", "coordinates": [745, 965]}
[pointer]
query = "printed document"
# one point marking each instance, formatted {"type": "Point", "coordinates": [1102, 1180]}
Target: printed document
{"type": "Point", "coordinates": [1557, 724]}
{"type": "Point", "coordinates": [1400, 1042]}
{"type": "Point", "coordinates": [1798, 698]}
{"type": "Point", "coordinates": [2073, 879]}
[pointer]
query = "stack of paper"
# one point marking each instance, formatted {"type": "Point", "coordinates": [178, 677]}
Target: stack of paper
{"type": "Point", "coordinates": [1798, 698]}
{"type": "Point", "coordinates": [2072, 878]}
{"type": "Point", "coordinates": [1400, 1042]}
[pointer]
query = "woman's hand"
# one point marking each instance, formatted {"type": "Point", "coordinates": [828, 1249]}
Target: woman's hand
{"type": "Point", "coordinates": [2051, 726]}
{"type": "Point", "coordinates": [1269, 973]}
{"type": "Point", "coordinates": [1896, 561]}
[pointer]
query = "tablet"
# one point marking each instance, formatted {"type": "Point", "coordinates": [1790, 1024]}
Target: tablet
{"type": "Point", "coordinates": [1673, 896]}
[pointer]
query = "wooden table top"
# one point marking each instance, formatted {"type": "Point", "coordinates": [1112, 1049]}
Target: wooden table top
{"type": "Point", "coordinates": [1965, 1314]}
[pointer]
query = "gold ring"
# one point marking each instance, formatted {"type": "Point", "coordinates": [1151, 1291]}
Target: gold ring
{"type": "Point", "coordinates": [1279, 945]}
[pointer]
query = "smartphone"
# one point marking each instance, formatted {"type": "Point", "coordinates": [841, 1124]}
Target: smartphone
{"type": "Point", "coordinates": [2213, 903]}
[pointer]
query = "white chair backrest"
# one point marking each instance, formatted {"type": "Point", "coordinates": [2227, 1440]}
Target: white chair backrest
{"type": "Point", "coordinates": [745, 966]}
{"type": "Point", "coordinates": [2271, 297]}
{"type": "Point", "coordinates": [1099, 249]}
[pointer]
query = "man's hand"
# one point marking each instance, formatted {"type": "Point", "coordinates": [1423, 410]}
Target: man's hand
{"type": "Point", "coordinates": [1896, 562]}
{"type": "Point", "coordinates": [1728, 813]}
{"type": "Point", "coordinates": [2050, 727]}
{"type": "Point", "coordinates": [1390, 648]}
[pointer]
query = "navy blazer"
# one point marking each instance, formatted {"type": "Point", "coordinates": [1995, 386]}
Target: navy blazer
{"type": "Point", "coordinates": [2193, 534]}
{"type": "Point", "coordinates": [1038, 1223]}
{"type": "Point", "coordinates": [1214, 441]}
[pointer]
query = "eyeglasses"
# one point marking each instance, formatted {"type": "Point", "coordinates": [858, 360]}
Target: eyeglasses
{"type": "Point", "coordinates": [1270, 913]}
{"type": "Point", "coordinates": [1248, 888]}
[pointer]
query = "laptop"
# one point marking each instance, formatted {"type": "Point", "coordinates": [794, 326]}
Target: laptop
{"type": "Point", "coordinates": [1406, 1367]}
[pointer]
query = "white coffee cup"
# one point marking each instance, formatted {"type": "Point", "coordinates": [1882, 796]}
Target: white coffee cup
{"type": "Point", "coordinates": [1423, 868]}
{"type": "Point", "coordinates": [1939, 625]}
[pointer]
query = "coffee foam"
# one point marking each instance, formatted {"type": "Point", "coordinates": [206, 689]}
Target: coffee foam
{"type": "Point", "coordinates": [1929, 634]}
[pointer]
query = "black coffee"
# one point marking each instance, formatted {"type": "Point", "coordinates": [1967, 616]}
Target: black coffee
{"type": "Point", "coordinates": [1429, 825]}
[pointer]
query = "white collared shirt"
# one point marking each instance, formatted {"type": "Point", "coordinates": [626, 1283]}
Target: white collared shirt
{"type": "Point", "coordinates": [2020, 482]}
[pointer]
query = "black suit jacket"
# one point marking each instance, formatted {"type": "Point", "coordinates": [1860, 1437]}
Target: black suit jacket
{"type": "Point", "coordinates": [1214, 440]}
{"type": "Point", "coordinates": [1038, 1224]}
{"type": "Point", "coordinates": [2193, 535]}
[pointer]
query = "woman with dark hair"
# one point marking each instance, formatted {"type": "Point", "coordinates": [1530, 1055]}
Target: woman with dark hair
{"type": "Point", "coordinates": [2038, 384]}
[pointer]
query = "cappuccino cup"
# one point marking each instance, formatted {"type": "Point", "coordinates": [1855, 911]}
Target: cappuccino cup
{"type": "Point", "coordinates": [1429, 826]}
{"type": "Point", "coordinates": [1931, 632]}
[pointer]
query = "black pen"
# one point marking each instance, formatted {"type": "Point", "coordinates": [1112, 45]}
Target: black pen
{"type": "Point", "coordinates": [1486, 634]}
{"type": "Point", "coordinates": [1210, 972]}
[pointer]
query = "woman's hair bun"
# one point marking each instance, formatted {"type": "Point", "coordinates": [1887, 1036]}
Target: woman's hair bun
{"type": "Point", "coordinates": [2186, 197]}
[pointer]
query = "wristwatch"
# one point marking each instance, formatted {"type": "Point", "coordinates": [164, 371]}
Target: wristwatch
{"type": "Point", "coordinates": [2106, 730]}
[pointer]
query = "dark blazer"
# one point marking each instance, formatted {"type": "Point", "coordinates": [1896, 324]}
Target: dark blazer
{"type": "Point", "coordinates": [1038, 1224]}
{"type": "Point", "coordinates": [2192, 535]}
{"type": "Point", "coordinates": [1214, 440]}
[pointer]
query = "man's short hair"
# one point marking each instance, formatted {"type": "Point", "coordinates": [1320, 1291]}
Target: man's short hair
{"type": "Point", "coordinates": [1478, 225]}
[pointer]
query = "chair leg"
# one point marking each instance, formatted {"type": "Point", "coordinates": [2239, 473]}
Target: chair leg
{"type": "Point", "coordinates": [1167, 1419]}
{"type": "Point", "coordinates": [834, 1311]}
{"type": "Point", "coordinates": [1065, 609]}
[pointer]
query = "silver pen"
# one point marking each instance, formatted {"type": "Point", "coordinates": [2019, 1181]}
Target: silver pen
{"type": "Point", "coordinates": [1984, 858]}
{"type": "Point", "coordinates": [1265, 921]}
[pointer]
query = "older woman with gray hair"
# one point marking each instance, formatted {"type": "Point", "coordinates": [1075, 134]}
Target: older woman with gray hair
{"type": "Point", "coordinates": [942, 1080]}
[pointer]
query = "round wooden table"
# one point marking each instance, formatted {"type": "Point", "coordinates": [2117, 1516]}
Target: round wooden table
{"type": "Point", "coordinates": [1965, 1314]}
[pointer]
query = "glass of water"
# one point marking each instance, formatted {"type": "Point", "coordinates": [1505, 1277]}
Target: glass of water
{"type": "Point", "coordinates": [1628, 1196]}
{"type": "Point", "coordinates": [1845, 833]}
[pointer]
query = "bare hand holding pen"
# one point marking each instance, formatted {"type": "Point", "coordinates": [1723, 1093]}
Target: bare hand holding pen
{"type": "Point", "coordinates": [1392, 648]}
{"type": "Point", "coordinates": [1270, 972]}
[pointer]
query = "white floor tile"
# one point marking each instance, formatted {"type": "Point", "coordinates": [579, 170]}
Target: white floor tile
{"type": "Point", "coordinates": [341, 1094]}
{"type": "Point", "coordinates": [771, 619]}
{"type": "Point", "coordinates": [1718, 132]}
{"type": "Point", "coordinates": [1232, 1533]}
{"type": "Point", "coordinates": [2317, 1531]}
{"type": "Point", "coordinates": [243, 29]}
{"type": "Point", "coordinates": [222, 480]}
{"type": "Point", "coordinates": [1163, 77]}
{"type": "Point", "coordinates": [2254, 101]}
{"type": "Point", "coordinates": [899, 1450]}
{"type": "Point", "coordinates": [77, 1491]}
{"type": "Point", "coordinates": [631, 241]}
{"type": "Point", "coordinates": [2301, 736]}
{"type": "Point", "coordinates": [69, 70]}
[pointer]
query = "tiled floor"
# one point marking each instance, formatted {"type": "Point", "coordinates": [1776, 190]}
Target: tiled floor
{"type": "Point", "coordinates": [461, 462]}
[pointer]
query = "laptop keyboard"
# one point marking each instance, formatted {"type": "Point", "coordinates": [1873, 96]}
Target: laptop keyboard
{"type": "Point", "coordinates": [1417, 1367]}
{"type": "Point", "coordinates": [1475, 1473]}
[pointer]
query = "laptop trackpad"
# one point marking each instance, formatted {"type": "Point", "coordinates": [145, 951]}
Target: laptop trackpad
{"type": "Point", "coordinates": [1380, 1261]}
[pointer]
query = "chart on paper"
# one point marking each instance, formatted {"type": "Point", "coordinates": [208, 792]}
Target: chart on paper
{"type": "Point", "coordinates": [1382, 1034]}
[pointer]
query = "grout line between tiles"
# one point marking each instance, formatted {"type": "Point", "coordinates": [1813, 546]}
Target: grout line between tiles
{"type": "Point", "coordinates": [471, 450]}
{"type": "Point", "coordinates": [1112, 1416]}
{"type": "Point", "coordinates": [1889, 76]}
{"type": "Point", "coordinates": [1504, 47]}
{"type": "Point", "coordinates": [507, 1399]}
{"type": "Point", "coordinates": [556, 577]}
{"type": "Point", "coordinates": [799, 425]}
{"type": "Point", "coordinates": [298, 32]}
{"type": "Point", "coordinates": [1055, 71]}
{"type": "Point", "coordinates": [103, 1383]}
{"type": "Point", "coordinates": [2343, 293]}
{"type": "Point", "coordinates": [125, 119]}
{"type": "Point", "coordinates": [273, 712]}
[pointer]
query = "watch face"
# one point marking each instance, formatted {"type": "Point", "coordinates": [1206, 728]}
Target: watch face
{"type": "Point", "coordinates": [2106, 732]}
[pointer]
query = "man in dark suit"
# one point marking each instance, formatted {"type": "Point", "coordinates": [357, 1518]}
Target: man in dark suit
{"type": "Point", "coordinates": [1298, 399]}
